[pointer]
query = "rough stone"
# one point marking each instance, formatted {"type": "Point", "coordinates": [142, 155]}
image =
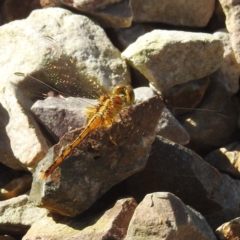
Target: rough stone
{"type": "Point", "coordinates": [110, 224]}
{"type": "Point", "coordinates": [174, 168]}
{"type": "Point", "coordinates": [226, 159]}
{"type": "Point", "coordinates": [109, 13]}
{"type": "Point", "coordinates": [168, 58]}
{"type": "Point", "coordinates": [18, 214]}
{"type": "Point", "coordinates": [185, 97]}
{"type": "Point", "coordinates": [23, 143]}
{"type": "Point", "coordinates": [231, 9]}
{"type": "Point", "coordinates": [68, 113]}
{"type": "Point", "coordinates": [216, 124]}
{"type": "Point", "coordinates": [228, 74]}
{"type": "Point", "coordinates": [162, 215]}
{"type": "Point", "coordinates": [168, 126]}
{"type": "Point", "coordinates": [143, 94]}
{"type": "Point", "coordinates": [229, 230]}
{"type": "Point", "coordinates": [181, 13]}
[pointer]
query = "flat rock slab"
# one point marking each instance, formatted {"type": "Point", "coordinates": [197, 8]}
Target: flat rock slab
{"type": "Point", "coordinates": [104, 158]}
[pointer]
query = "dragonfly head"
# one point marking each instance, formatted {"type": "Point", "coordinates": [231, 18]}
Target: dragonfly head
{"type": "Point", "coordinates": [126, 91]}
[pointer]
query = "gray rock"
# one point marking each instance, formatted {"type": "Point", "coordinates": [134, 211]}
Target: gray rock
{"type": "Point", "coordinates": [110, 224]}
{"type": "Point", "coordinates": [226, 159]}
{"type": "Point", "coordinates": [231, 10]}
{"type": "Point", "coordinates": [229, 192]}
{"type": "Point", "coordinates": [108, 13]}
{"type": "Point", "coordinates": [228, 74]}
{"type": "Point", "coordinates": [143, 94]}
{"type": "Point", "coordinates": [168, 126]}
{"type": "Point", "coordinates": [17, 215]}
{"type": "Point", "coordinates": [65, 112]}
{"type": "Point", "coordinates": [187, 13]}
{"type": "Point", "coordinates": [185, 97]}
{"type": "Point", "coordinates": [174, 168]}
{"type": "Point", "coordinates": [216, 124]}
{"type": "Point", "coordinates": [169, 58]}
{"type": "Point", "coordinates": [162, 215]}
{"type": "Point", "coordinates": [23, 144]}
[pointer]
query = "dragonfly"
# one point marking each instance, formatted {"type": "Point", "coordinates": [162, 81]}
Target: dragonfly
{"type": "Point", "coordinates": [102, 115]}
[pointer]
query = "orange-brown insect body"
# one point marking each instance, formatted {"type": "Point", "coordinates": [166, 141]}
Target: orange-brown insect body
{"type": "Point", "coordinates": [102, 115]}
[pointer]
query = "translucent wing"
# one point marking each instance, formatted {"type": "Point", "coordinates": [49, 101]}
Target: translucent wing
{"type": "Point", "coordinates": [58, 72]}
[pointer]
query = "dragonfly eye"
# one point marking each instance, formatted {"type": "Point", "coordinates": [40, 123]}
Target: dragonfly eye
{"type": "Point", "coordinates": [126, 91]}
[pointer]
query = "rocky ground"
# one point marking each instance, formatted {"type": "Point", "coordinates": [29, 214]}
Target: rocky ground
{"type": "Point", "coordinates": [168, 167]}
